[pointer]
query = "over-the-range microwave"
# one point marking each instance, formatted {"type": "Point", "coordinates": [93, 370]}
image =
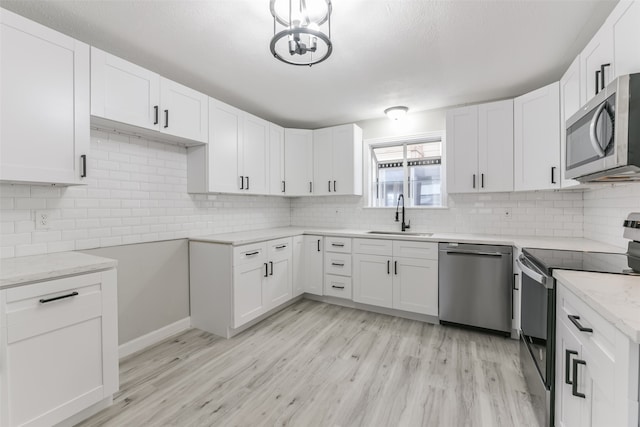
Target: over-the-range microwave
{"type": "Point", "coordinates": [603, 138]}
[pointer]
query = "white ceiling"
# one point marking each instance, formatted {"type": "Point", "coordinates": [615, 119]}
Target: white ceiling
{"type": "Point", "coordinates": [423, 54]}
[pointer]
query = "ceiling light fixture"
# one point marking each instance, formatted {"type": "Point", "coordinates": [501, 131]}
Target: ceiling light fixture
{"type": "Point", "coordinates": [396, 113]}
{"type": "Point", "coordinates": [301, 31]}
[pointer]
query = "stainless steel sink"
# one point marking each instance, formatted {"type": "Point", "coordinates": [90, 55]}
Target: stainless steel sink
{"type": "Point", "coordinates": [400, 233]}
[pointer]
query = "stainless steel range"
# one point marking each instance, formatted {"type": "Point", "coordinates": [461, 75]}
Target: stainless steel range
{"type": "Point", "coordinates": [538, 314]}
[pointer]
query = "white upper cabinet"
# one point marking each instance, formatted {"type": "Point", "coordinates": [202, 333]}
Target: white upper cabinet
{"type": "Point", "coordinates": [537, 139]}
{"type": "Point", "coordinates": [337, 160]}
{"type": "Point", "coordinates": [277, 185]}
{"type": "Point", "coordinates": [140, 100]}
{"type": "Point", "coordinates": [44, 107]}
{"type": "Point", "coordinates": [480, 148]}
{"type": "Point", "coordinates": [298, 162]}
{"type": "Point", "coordinates": [570, 103]}
{"type": "Point", "coordinates": [625, 24]}
{"type": "Point", "coordinates": [255, 155]}
{"type": "Point", "coordinates": [596, 63]}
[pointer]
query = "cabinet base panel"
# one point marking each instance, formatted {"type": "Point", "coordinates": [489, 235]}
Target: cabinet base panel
{"type": "Point", "coordinates": [87, 413]}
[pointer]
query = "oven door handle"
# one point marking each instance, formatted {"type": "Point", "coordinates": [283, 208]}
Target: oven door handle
{"type": "Point", "coordinates": [529, 271]}
{"type": "Point", "coordinates": [593, 136]}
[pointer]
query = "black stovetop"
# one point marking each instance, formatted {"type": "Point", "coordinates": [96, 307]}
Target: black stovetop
{"type": "Point", "coordinates": [597, 262]}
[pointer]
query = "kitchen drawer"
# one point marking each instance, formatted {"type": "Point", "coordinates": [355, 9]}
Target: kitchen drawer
{"type": "Point", "coordinates": [408, 249]}
{"type": "Point", "coordinates": [337, 244]}
{"type": "Point", "coordinates": [339, 264]}
{"type": "Point", "coordinates": [373, 247]}
{"type": "Point", "coordinates": [255, 252]}
{"type": "Point", "coordinates": [43, 307]}
{"type": "Point", "coordinates": [337, 286]}
{"type": "Point", "coordinates": [280, 247]}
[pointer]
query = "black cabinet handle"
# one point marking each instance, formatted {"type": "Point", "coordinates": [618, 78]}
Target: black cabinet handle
{"type": "Point", "coordinates": [337, 264]}
{"type": "Point", "coordinates": [329, 186]}
{"type": "Point", "coordinates": [310, 187]}
{"type": "Point", "coordinates": [166, 118]}
{"type": "Point", "coordinates": [598, 81]}
{"type": "Point", "coordinates": [242, 182]}
{"type": "Point", "coordinates": [482, 180]}
{"type": "Point", "coordinates": [318, 245]}
{"type": "Point", "coordinates": [553, 174]}
{"type": "Point", "coordinates": [266, 270]}
{"type": "Point", "coordinates": [574, 386]}
{"type": "Point", "coordinates": [46, 300]}
{"type": "Point", "coordinates": [602, 67]}
{"type": "Point", "coordinates": [281, 246]}
{"type": "Point", "coordinates": [474, 180]}
{"type": "Point", "coordinates": [574, 319]}
{"type": "Point", "coordinates": [338, 245]}
{"type": "Point", "coordinates": [271, 264]}
{"type": "Point", "coordinates": [334, 186]}
{"type": "Point", "coordinates": [337, 287]}
{"type": "Point", "coordinates": [388, 266]}
{"type": "Point", "coordinates": [284, 186]}
{"type": "Point", "coordinates": [252, 253]}
{"type": "Point", "coordinates": [395, 267]}
{"type": "Point", "coordinates": [83, 158]}
{"type": "Point", "coordinates": [567, 365]}
{"type": "Point", "coordinates": [247, 183]}
{"type": "Point", "coordinates": [155, 108]}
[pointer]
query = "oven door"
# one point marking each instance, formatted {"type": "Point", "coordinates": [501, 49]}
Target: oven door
{"type": "Point", "coordinates": [537, 318]}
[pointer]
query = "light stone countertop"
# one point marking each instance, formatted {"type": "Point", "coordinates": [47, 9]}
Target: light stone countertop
{"type": "Point", "coordinates": [559, 243]}
{"type": "Point", "coordinates": [23, 270]}
{"type": "Point", "coordinates": [615, 297]}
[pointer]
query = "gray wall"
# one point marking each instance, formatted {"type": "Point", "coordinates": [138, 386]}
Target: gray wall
{"type": "Point", "coordinates": [153, 285]}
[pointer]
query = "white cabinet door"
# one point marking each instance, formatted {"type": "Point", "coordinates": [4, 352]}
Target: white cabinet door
{"type": "Point", "coordinates": [598, 52]}
{"type": "Point", "coordinates": [537, 139]}
{"type": "Point", "coordinates": [568, 407]}
{"type": "Point", "coordinates": [462, 150]}
{"type": "Point", "coordinates": [495, 146]}
{"type": "Point", "coordinates": [415, 285]}
{"type": "Point", "coordinates": [123, 91]}
{"type": "Point", "coordinates": [255, 154]}
{"type": "Point", "coordinates": [625, 24]}
{"type": "Point", "coordinates": [248, 292]}
{"type": "Point", "coordinates": [225, 124]}
{"type": "Point", "coordinates": [44, 107]}
{"type": "Point", "coordinates": [313, 264]}
{"type": "Point", "coordinates": [184, 111]}
{"type": "Point", "coordinates": [372, 280]}
{"type": "Point", "coordinates": [298, 265]}
{"type": "Point", "coordinates": [279, 283]}
{"type": "Point", "coordinates": [277, 184]}
{"type": "Point", "coordinates": [323, 161]}
{"type": "Point", "coordinates": [570, 103]}
{"type": "Point", "coordinates": [298, 162]}
{"type": "Point", "coordinates": [346, 160]}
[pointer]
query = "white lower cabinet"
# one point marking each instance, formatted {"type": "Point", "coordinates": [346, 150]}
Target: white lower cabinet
{"type": "Point", "coordinates": [337, 267]}
{"type": "Point", "coordinates": [231, 286]}
{"type": "Point", "coordinates": [596, 368]}
{"type": "Point", "coordinates": [312, 264]}
{"type": "Point", "coordinates": [58, 347]}
{"type": "Point", "coordinates": [408, 283]}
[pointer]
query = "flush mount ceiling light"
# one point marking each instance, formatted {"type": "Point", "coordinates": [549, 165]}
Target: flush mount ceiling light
{"type": "Point", "coordinates": [396, 113]}
{"type": "Point", "coordinates": [301, 31]}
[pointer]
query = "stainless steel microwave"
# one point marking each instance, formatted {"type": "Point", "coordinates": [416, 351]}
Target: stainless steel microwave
{"type": "Point", "coordinates": [603, 138]}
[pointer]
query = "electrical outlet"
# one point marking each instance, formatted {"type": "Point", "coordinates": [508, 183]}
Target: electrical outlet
{"type": "Point", "coordinates": [42, 220]}
{"type": "Point", "coordinates": [506, 213]}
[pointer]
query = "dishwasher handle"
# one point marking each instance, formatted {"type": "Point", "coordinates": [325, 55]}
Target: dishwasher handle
{"type": "Point", "coordinates": [535, 275]}
{"type": "Point", "coordinates": [481, 253]}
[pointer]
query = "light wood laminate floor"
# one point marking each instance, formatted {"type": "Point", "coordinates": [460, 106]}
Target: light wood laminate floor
{"type": "Point", "coordinates": [316, 364]}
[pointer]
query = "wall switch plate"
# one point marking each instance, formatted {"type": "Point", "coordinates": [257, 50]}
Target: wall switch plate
{"type": "Point", "coordinates": [42, 220]}
{"type": "Point", "coordinates": [506, 213]}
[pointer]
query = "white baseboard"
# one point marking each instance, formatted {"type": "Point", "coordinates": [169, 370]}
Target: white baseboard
{"type": "Point", "coordinates": [153, 337]}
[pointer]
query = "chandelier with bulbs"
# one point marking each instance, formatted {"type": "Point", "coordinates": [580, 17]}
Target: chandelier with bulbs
{"type": "Point", "coordinates": [301, 31]}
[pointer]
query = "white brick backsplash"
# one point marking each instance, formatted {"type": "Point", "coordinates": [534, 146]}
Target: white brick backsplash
{"type": "Point", "coordinates": [136, 192]}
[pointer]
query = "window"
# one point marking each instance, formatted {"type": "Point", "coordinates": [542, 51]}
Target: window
{"type": "Point", "coordinates": [410, 168]}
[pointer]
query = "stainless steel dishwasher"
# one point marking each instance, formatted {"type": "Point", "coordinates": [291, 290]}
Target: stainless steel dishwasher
{"type": "Point", "coordinates": [475, 285]}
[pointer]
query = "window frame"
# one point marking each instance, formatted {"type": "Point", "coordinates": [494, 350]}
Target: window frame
{"type": "Point", "coordinates": [407, 140]}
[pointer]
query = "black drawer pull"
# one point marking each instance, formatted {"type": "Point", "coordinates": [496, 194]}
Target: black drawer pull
{"type": "Point", "coordinates": [338, 245]}
{"type": "Point", "coordinates": [574, 386]}
{"type": "Point", "coordinates": [83, 174]}
{"type": "Point", "coordinates": [242, 182]}
{"type": "Point", "coordinates": [247, 183]}
{"type": "Point", "coordinates": [395, 267]}
{"type": "Point", "coordinates": [284, 187]}
{"type": "Point", "coordinates": [388, 266]}
{"type": "Point", "coordinates": [574, 319]}
{"type": "Point", "coordinates": [337, 287]}
{"type": "Point", "coordinates": [271, 265]}
{"type": "Point", "coordinates": [46, 300]}
{"type": "Point", "coordinates": [337, 264]}
{"type": "Point", "coordinates": [329, 183]}
{"type": "Point", "coordinates": [166, 118]}
{"type": "Point", "coordinates": [155, 121]}
{"type": "Point", "coordinates": [602, 67]}
{"type": "Point", "coordinates": [252, 253]}
{"type": "Point", "coordinates": [266, 270]}
{"type": "Point", "coordinates": [318, 245]}
{"type": "Point", "coordinates": [281, 247]}
{"type": "Point", "coordinates": [567, 365]}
